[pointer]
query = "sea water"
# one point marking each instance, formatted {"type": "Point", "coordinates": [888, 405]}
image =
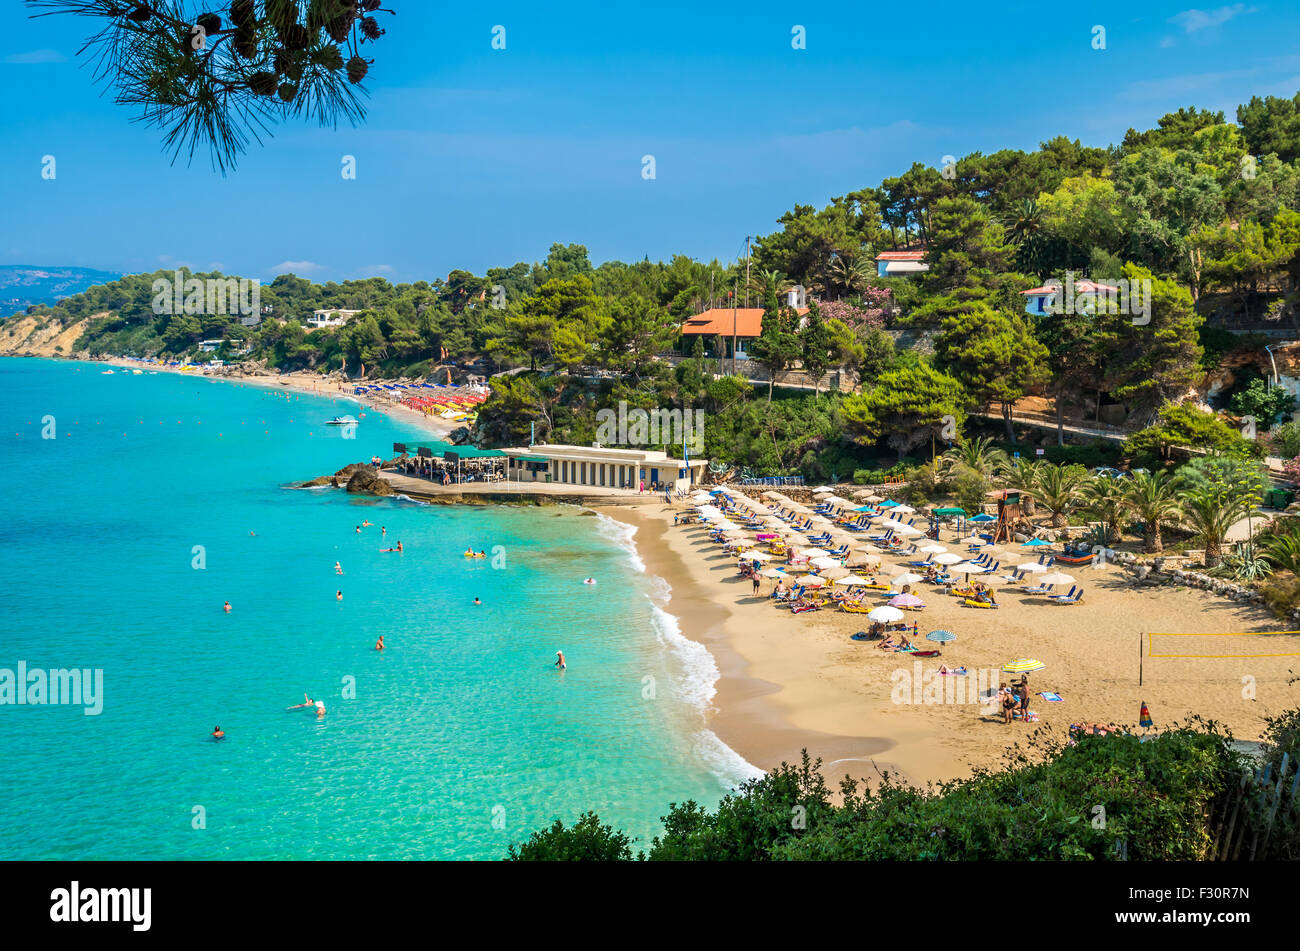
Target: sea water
{"type": "Point", "coordinates": [162, 496]}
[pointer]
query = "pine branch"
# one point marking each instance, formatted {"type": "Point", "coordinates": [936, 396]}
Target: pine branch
{"type": "Point", "coordinates": [222, 79]}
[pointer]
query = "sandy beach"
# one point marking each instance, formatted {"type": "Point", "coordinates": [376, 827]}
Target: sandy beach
{"type": "Point", "coordinates": [311, 384]}
{"type": "Point", "coordinates": [790, 682]}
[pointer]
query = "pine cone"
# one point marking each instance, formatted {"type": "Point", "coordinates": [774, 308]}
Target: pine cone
{"type": "Point", "coordinates": [370, 28]}
{"type": "Point", "coordinates": [246, 43]}
{"type": "Point", "coordinates": [287, 91]}
{"type": "Point", "coordinates": [262, 83]}
{"type": "Point", "coordinates": [242, 14]}
{"type": "Point", "coordinates": [296, 37]}
{"type": "Point", "coordinates": [340, 27]}
{"type": "Point", "coordinates": [210, 22]}
{"type": "Point", "coordinates": [357, 69]}
{"type": "Point", "coordinates": [331, 58]}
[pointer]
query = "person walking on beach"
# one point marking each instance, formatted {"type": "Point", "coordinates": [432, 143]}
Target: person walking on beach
{"type": "Point", "coordinates": [559, 660]}
{"type": "Point", "coordinates": [756, 584]}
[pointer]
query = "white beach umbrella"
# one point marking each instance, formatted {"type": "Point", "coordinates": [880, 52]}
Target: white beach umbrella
{"type": "Point", "coordinates": [813, 581]}
{"type": "Point", "coordinates": [825, 561]}
{"type": "Point", "coordinates": [755, 556]}
{"type": "Point", "coordinates": [1032, 566]}
{"type": "Point", "coordinates": [814, 552]}
{"type": "Point", "coordinates": [835, 573]}
{"type": "Point", "coordinates": [933, 549]}
{"type": "Point", "coordinates": [904, 509]}
{"type": "Point", "coordinates": [969, 568]}
{"type": "Point", "coordinates": [864, 558]}
{"type": "Point", "coordinates": [823, 488]}
{"type": "Point", "coordinates": [908, 530]}
{"type": "Point", "coordinates": [774, 573]}
{"type": "Point", "coordinates": [947, 558]}
{"type": "Point", "coordinates": [886, 614]}
{"type": "Point", "coordinates": [1056, 577]}
{"type": "Point", "coordinates": [849, 581]}
{"type": "Point", "coordinates": [907, 577]}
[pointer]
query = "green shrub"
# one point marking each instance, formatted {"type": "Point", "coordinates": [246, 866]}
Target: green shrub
{"type": "Point", "coordinates": [1104, 798]}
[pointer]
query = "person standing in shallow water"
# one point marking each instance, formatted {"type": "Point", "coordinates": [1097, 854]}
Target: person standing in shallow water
{"type": "Point", "coordinates": [559, 660]}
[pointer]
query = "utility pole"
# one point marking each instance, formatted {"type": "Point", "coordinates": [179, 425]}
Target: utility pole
{"type": "Point", "coordinates": [733, 328]}
{"type": "Point", "coordinates": [747, 270]}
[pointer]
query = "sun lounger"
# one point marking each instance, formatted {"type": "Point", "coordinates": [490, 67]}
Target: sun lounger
{"type": "Point", "coordinates": [1074, 596]}
{"type": "Point", "coordinates": [972, 603]}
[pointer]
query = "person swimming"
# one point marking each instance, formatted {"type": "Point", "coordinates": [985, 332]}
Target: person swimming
{"type": "Point", "coordinates": [559, 660]}
{"type": "Point", "coordinates": [588, 580]}
{"type": "Point", "coordinates": [398, 548]}
{"type": "Point", "coordinates": [367, 523]}
{"type": "Point", "coordinates": [227, 607]}
{"type": "Point", "coordinates": [379, 644]}
{"type": "Point", "coordinates": [358, 529]}
{"type": "Point", "coordinates": [217, 733]}
{"type": "Point", "coordinates": [320, 709]}
{"type": "Point", "coordinates": [382, 531]}
{"type": "Point", "coordinates": [338, 595]}
{"type": "Point", "coordinates": [338, 568]}
{"type": "Point", "coordinates": [477, 601]}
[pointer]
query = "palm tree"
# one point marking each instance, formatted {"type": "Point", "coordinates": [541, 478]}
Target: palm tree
{"type": "Point", "coordinates": [1057, 487]}
{"type": "Point", "coordinates": [1023, 476]}
{"type": "Point", "coordinates": [1283, 551]}
{"type": "Point", "coordinates": [1024, 223]}
{"type": "Point", "coordinates": [979, 456]}
{"type": "Point", "coordinates": [775, 280]}
{"type": "Point", "coordinates": [1209, 514]}
{"type": "Point", "coordinates": [1107, 501]}
{"type": "Point", "coordinates": [1153, 497]}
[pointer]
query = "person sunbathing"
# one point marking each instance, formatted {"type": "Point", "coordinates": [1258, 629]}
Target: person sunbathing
{"type": "Point", "coordinates": [888, 644]}
{"type": "Point", "coordinates": [952, 672]}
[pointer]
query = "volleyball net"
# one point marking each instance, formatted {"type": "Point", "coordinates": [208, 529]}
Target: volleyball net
{"type": "Point", "coordinates": [1244, 644]}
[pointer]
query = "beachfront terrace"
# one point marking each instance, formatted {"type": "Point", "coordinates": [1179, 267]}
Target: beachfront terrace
{"type": "Point", "coordinates": [602, 467]}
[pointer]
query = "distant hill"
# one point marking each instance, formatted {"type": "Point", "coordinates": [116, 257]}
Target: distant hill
{"type": "Point", "coordinates": [22, 285]}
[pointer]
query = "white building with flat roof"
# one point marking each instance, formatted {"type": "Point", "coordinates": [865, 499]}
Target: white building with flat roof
{"type": "Point", "coordinates": [601, 466]}
{"type": "Point", "coordinates": [325, 317]}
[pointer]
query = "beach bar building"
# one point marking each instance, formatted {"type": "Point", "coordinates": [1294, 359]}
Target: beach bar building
{"type": "Point", "coordinates": [600, 466]}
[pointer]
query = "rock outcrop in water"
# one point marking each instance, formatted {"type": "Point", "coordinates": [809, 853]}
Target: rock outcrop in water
{"type": "Point", "coordinates": [366, 481]}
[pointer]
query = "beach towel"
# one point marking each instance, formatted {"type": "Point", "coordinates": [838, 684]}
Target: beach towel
{"type": "Point", "coordinates": [1031, 717]}
{"type": "Point", "coordinates": [1052, 697]}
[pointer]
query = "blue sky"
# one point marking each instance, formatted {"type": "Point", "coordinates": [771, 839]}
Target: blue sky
{"type": "Point", "coordinates": [472, 157]}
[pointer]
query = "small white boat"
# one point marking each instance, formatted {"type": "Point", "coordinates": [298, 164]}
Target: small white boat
{"type": "Point", "coordinates": [342, 421]}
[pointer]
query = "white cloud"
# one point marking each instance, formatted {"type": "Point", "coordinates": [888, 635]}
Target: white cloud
{"type": "Point", "coordinates": [1194, 20]}
{"type": "Point", "coordinates": [299, 268]}
{"type": "Point", "coordinates": [35, 57]}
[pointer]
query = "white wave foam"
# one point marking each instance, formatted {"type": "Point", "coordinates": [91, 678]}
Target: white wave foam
{"type": "Point", "coordinates": [730, 768]}
{"type": "Point", "coordinates": [699, 671]}
{"type": "Point", "coordinates": [621, 534]}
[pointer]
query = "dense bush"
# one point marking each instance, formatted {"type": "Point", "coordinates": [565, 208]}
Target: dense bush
{"type": "Point", "coordinates": [1105, 797]}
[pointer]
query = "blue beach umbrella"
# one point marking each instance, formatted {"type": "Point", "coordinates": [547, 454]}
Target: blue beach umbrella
{"type": "Point", "coordinates": [889, 504]}
{"type": "Point", "coordinates": [1036, 543]}
{"type": "Point", "coordinates": [983, 517]}
{"type": "Point", "coordinates": [941, 636]}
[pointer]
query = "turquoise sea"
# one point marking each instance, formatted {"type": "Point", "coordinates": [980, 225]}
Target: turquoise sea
{"type": "Point", "coordinates": [458, 739]}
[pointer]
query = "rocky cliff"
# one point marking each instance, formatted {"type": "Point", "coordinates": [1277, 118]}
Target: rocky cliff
{"type": "Point", "coordinates": [39, 336]}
